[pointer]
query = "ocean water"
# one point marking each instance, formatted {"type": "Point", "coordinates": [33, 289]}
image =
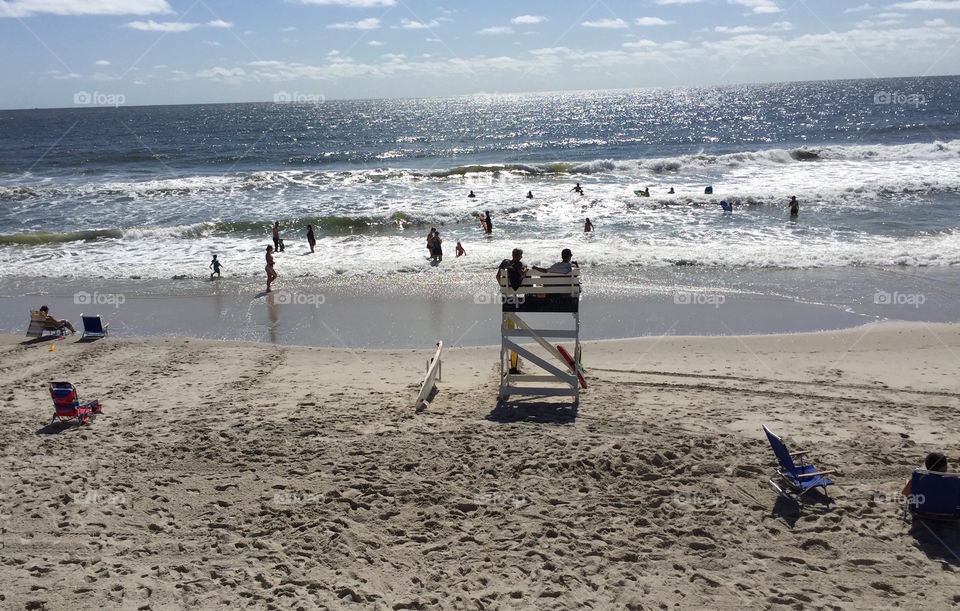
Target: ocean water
{"type": "Point", "coordinates": [151, 192]}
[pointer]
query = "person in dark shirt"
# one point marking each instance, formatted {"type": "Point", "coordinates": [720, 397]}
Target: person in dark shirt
{"type": "Point", "coordinates": [515, 268]}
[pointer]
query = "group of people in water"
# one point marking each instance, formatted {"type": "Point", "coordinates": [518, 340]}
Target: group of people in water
{"type": "Point", "coordinates": [434, 242]}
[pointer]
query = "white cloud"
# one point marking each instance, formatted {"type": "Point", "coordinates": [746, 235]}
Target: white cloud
{"type": "Point", "coordinates": [609, 24]}
{"type": "Point", "coordinates": [222, 74]}
{"type": "Point", "coordinates": [411, 24]}
{"type": "Point", "coordinates": [647, 21]}
{"type": "Point", "coordinates": [496, 30]}
{"type": "Point", "coordinates": [758, 6]}
{"type": "Point", "coordinates": [528, 19]}
{"type": "Point", "coordinates": [162, 26]}
{"type": "Point", "coordinates": [375, 43]}
{"type": "Point", "coordinates": [740, 29]}
{"type": "Point", "coordinates": [370, 23]}
{"type": "Point", "coordinates": [26, 8]}
{"type": "Point", "coordinates": [675, 2]}
{"type": "Point", "coordinates": [858, 9]}
{"type": "Point", "coordinates": [639, 44]}
{"type": "Point", "coordinates": [935, 23]}
{"type": "Point", "coordinates": [351, 3]}
{"type": "Point", "coordinates": [175, 26]}
{"type": "Point", "coordinates": [289, 29]}
{"type": "Point", "coordinates": [930, 5]}
{"type": "Point", "coordinates": [101, 62]}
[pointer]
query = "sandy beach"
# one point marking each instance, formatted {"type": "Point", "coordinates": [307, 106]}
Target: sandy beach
{"type": "Point", "coordinates": [262, 476]}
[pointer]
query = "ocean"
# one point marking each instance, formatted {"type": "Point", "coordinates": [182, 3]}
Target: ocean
{"type": "Point", "coordinates": [150, 193]}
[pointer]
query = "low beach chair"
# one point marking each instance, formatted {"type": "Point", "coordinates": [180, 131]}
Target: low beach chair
{"type": "Point", "coordinates": [93, 326]}
{"type": "Point", "coordinates": [934, 495]}
{"type": "Point", "coordinates": [67, 405]}
{"type": "Point", "coordinates": [39, 325]}
{"type": "Point", "coordinates": [796, 479]}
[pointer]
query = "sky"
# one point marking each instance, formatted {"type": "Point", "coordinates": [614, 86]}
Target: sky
{"type": "Point", "coordinates": [62, 53]}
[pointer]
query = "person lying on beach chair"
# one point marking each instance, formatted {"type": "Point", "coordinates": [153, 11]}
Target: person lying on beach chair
{"type": "Point", "coordinates": [53, 323]}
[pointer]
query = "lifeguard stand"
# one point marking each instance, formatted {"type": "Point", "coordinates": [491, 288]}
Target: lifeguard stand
{"type": "Point", "coordinates": [540, 294]}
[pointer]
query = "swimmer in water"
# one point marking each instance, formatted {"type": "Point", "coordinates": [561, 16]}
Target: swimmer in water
{"type": "Point", "coordinates": [460, 250]}
{"type": "Point", "coordinates": [529, 194]}
{"type": "Point", "coordinates": [577, 189]}
{"type": "Point", "coordinates": [471, 194]}
{"type": "Point", "coordinates": [587, 226]}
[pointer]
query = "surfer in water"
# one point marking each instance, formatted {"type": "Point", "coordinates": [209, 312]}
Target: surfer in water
{"type": "Point", "coordinates": [794, 207]}
{"type": "Point", "coordinates": [587, 226]}
{"type": "Point", "coordinates": [471, 195]}
{"type": "Point", "coordinates": [529, 194]}
{"type": "Point", "coordinates": [311, 239]}
{"type": "Point", "coordinates": [671, 191]}
{"type": "Point", "coordinates": [577, 189]}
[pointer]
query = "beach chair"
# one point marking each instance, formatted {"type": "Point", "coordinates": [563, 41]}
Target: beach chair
{"type": "Point", "coordinates": [93, 326]}
{"type": "Point", "coordinates": [67, 405]}
{"type": "Point", "coordinates": [39, 325]}
{"type": "Point", "coordinates": [795, 479]}
{"type": "Point", "coordinates": [934, 495]}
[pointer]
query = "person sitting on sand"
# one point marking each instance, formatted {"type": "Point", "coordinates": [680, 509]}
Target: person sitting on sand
{"type": "Point", "coordinates": [311, 239]}
{"type": "Point", "coordinates": [471, 195]}
{"type": "Point", "coordinates": [935, 461]}
{"type": "Point", "coordinates": [271, 273]}
{"type": "Point", "coordinates": [460, 250]}
{"type": "Point", "coordinates": [587, 226]}
{"type": "Point", "coordinates": [215, 265]}
{"type": "Point", "coordinates": [564, 266]}
{"type": "Point", "coordinates": [516, 270]}
{"type": "Point", "coordinates": [529, 194]}
{"type": "Point", "coordinates": [53, 322]}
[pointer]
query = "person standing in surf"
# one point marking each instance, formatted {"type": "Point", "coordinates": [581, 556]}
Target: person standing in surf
{"type": "Point", "coordinates": [437, 247]}
{"type": "Point", "coordinates": [486, 222]}
{"type": "Point", "coordinates": [587, 226]}
{"type": "Point", "coordinates": [577, 189]}
{"type": "Point", "coordinates": [276, 235]}
{"type": "Point", "coordinates": [271, 273]}
{"type": "Point", "coordinates": [433, 230]}
{"type": "Point", "coordinates": [311, 239]}
{"type": "Point", "coordinates": [794, 207]}
{"type": "Point", "coordinates": [460, 251]}
{"type": "Point", "coordinates": [215, 266]}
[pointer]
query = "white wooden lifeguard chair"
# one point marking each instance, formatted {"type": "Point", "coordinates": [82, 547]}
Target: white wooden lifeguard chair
{"type": "Point", "coordinates": [540, 294]}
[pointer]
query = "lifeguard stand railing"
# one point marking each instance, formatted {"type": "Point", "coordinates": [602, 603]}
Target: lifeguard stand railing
{"type": "Point", "coordinates": [525, 311]}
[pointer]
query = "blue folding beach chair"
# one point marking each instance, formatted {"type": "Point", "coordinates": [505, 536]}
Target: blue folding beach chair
{"type": "Point", "coordinates": [795, 480]}
{"type": "Point", "coordinates": [934, 495]}
{"type": "Point", "coordinates": [93, 326]}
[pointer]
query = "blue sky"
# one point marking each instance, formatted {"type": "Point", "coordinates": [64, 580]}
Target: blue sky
{"type": "Point", "coordinates": [173, 51]}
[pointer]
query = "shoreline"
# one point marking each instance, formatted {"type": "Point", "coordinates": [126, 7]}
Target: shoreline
{"type": "Point", "coordinates": [410, 312]}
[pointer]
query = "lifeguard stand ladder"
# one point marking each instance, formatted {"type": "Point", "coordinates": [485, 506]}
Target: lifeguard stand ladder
{"type": "Point", "coordinates": [540, 294]}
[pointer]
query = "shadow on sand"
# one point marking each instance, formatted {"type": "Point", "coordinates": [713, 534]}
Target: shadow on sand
{"type": "Point", "coordinates": [938, 539]}
{"type": "Point", "coordinates": [534, 410]}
